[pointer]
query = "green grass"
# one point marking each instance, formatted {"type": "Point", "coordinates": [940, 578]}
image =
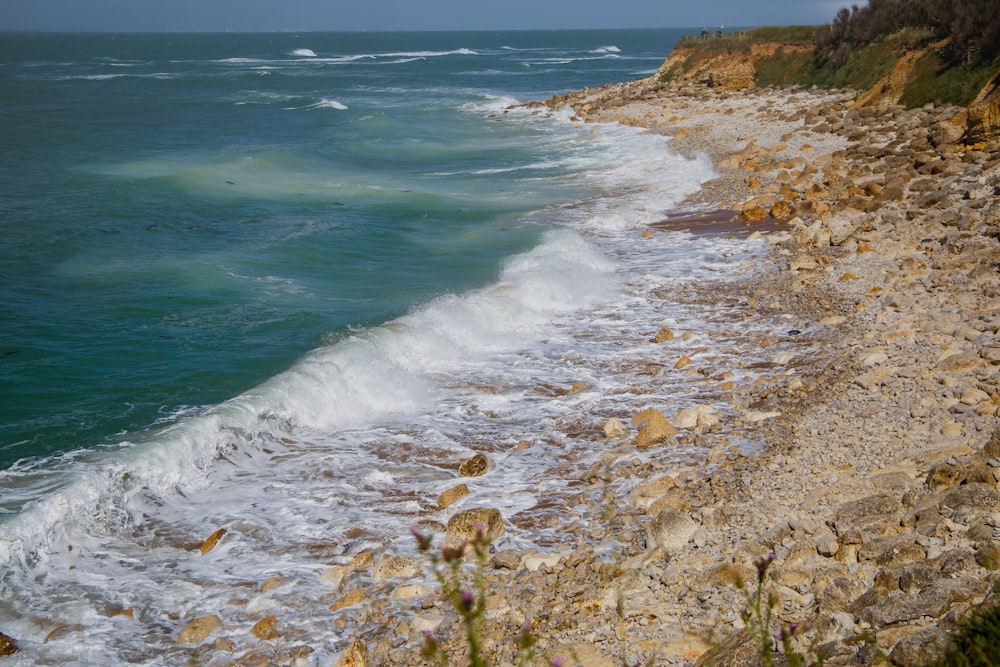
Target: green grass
{"type": "Point", "coordinates": [977, 643]}
{"type": "Point", "coordinates": [934, 81]}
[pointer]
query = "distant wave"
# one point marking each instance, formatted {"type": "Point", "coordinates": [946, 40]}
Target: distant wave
{"type": "Point", "coordinates": [306, 53]}
{"type": "Point", "coordinates": [328, 104]}
{"type": "Point", "coordinates": [607, 49]}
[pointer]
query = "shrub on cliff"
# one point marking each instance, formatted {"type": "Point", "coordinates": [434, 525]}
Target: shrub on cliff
{"type": "Point", "coordinates": [977, 643]}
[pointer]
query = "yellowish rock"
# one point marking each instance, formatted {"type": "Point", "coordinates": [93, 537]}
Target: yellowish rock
{"type": "Point", "coordinates": [452, 495]}
{"type": "Point", "coordinates": [348, 599]}
{"type": "Point", "coordinates": [683, 362]}
{"type": "Point", "coordinates": [477, 466]}
{"type": "Point", "coordinates": [266, 628]}
{"type": "Point", "coordinates": [355, 655]}
{"type": "Point", "coordinates": [212, 541]}
{"type": "Point", "coordinates": [654, 428]}
{"type": "Point", "coordinates": [197, 630]}
{"type": "Point", "coordinates": [664, 335]}
{"type": "Point", "coordinates": [462, 527]}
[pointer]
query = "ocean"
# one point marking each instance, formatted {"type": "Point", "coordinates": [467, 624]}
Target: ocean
{"type": "Point", "coordinates": [283, 284]}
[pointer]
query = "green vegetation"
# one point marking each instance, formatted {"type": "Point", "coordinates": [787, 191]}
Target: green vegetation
{"type": "Point", "coordinates": [977, 643]}
{"type": "Point", "coordinates": [934, 81]}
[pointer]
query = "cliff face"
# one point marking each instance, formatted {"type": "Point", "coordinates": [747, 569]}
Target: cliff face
{"type": "Point", "coordinates": [726, 71]}
{"type": "Point", "coordinates": [741, 70]}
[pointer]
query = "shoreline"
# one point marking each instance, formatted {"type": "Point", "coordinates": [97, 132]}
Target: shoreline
{"type": "Point", "coordinates": [865, 455]}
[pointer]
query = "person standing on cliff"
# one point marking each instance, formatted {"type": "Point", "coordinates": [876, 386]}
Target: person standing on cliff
{"type": "Point", "coordinates": [718, 33]}
{"type": "Point", "coordinates": [704, 33]}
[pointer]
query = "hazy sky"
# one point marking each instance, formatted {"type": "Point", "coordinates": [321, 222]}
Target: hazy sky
{"type": "Point", "coordinates": [300, 15]}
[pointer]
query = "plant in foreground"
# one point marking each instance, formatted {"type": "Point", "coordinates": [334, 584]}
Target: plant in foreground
{"type": "Point", "coordinates": [758, 616]}
{"type": "Point", "coordinates": [470, 603]}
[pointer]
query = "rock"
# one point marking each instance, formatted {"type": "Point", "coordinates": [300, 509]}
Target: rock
{"type": "Point", "coordinates": [867, 515]}
{"type": "Point", "coordinates": [614, 429]}
{"type": "Point", "coordinates": [397, 567]}
{"type": "Point", "coordinates": [266, 629]}
{"type": "Point", "coordinates": [462, 526]}
{"type": "Point", "coordinates": [654, 428]}
{"type": "Point", "coordinates": [578, 654]}
{"type": "Point", "coordinates": [477, 466]}
{"type": "Point", "coordinates": [452, 495]}
{"type": "Point", "coordinates": [664, 335]}
{"type": "Point", "coordinates": [535, 562]}
{"type": "Point", "coordinates": [683, 362]}
{"type": "Point", "coordinates": [348, 599]}
{"type": "Point", "coordinates": [671, 530]}
{"type": "Point", "coordinates": [827, 545]}
{"type": "Point", "coordinates": [900, 548]}
{"type": "Point", "coordinates": [355, 655]}
{"type": "Point", "coordinates": [409, 591]}
{"type": "Point", "coordinates": [7, 645]}
{"type": "Point", "coordinates": [428, 622]}
{"type": "Point", "coordinates": [197, 630]}
{"type": "Point", "coordinates": [974, 396]}
{"type": "Point", "coordinates": [212, 540]}
{"type": "Point", "coordinates": [934, 601]}
{"type": "Point", "coordinates": [915, 649]}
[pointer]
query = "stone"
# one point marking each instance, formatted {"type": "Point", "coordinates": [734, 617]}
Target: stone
{"type": "Point", "coordinates": [198, 629]}
{"type": "Point", "coordinates": [653, 428]}
{"type": "Point", "coordinates": [355, 655]}
{"type": "Point", "coordinates": [212, 541]}
{"type": "Point", "coordinates": [428, 622]}
{"type": "Point", "coordinates": [867, 515]}
{"type": "Point", "coordinates": [614, 429]}
{"type": "Point", "coordinates": [7, 645]}
{"type": "Point", "coordinates": [266, 629]}
{"type": "Point", "coordinates": [409, 591]}
{"type": "Point", "coordinates": [664, 335]}
{"type": "Point", "coordinates": [462, 526]}
{"type": "Point", "coordinates": [934, 601]}
{"type": "Point", "coordinates": [901, 548]}
{"type": "Point", "coordinates": [535, 562]}
{"type": "Point", "coordinates": [671, 530]}
{"type": "Point", "coordinates": [397, 567]}
{"type": "Point", "coordinates": [914, 650]}
{"type": "Point", "coordinates": [826, 544]}
{"type": "Point", "coordinates": [477, 466]}
{"type": "Point", "coordinates": [974, 396]}
{"type": "Point", "coordinates": [452, 495]}
{"type": "Point", "coordinates": [578, 654]}
{"type": "Point", "coordinates": [348, 599]}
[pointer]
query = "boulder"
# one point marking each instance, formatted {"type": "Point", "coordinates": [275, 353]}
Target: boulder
{"type": "Point", "coordinates": [7, 645]}
{"type": "Point", "coordinates": [671, 530]}
{"type": "Point", "coordinates": [212, 541]}
{"type": "Point", "coordinates": [355, 655]}
{"type": "Point", "coordinates": [348, 599]}
{"type": "Point", "coordinates": [614, 429]}
{"type": "Point", "coordinates": [197, 630]}
{"type": "Point", "coordinates": [266, 629]}
{"type": "Point", "coordinates": [452, 495]}
{"type": "Point", "coordinates": [477, 466]}
{"type": "Point", "coordinates": [867, 515]}
{"type": "Point", "coordinates": [654, 428]}
{"type": "Point", "coordinates": [397, 567]}
{"type": "Point", "coordinates": [664, 335]}
{"type": "Point", "coordinates": [462, 526]}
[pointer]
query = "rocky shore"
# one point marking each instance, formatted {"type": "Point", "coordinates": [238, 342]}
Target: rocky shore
{"type": "Point", "coordinates": [876, 490]}
{"type": "Point", "coordinates": [876, 485]}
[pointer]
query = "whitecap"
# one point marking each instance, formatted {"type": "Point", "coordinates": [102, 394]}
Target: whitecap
{"type": "Point", "coordinates": [305, 53]}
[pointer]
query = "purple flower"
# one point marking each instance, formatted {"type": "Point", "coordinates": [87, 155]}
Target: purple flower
{"type": "Point", "coordinates": [557, 662]}
{"type": "Point", "coordinates": [467, 599]}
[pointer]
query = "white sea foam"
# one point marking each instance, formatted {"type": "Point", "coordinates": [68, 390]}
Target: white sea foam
{"type": "Point", "coordinates": [328, 104]}
{"type": "Point", "coordinates": [607, 49]}
{"type": "Point", "coordinates": [366, 432]}
{"type": "Point", "coordinates": [306, 53]}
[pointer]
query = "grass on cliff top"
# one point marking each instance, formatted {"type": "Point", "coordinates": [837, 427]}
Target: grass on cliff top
{"type": "Point", "coordinates": [741, 41]}
{"type": "Point", "coordinates": [934, 81]}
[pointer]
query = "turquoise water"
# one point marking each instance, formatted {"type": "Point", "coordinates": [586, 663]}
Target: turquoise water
{"type": "Point", "coordinates": [185, 215]}
{"type": "Point", "coordinates": [284, 284]}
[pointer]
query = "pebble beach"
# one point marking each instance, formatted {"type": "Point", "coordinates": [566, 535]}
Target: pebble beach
{"type": "Point", "coordinates": [875, 492]}
{"type": "Point", "coordinates": [858, 454]}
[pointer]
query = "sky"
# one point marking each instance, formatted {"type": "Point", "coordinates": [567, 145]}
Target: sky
{"type": "Point", "coordinates": [335, 15]}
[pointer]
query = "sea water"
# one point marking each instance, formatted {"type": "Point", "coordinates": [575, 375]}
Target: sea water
{"type": "Point", "coordinates": [283, 284]}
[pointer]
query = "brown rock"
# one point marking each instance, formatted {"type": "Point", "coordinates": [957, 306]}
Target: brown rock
{"type": "Point", "coordinates": [212, 540]}
{"type": "Point", "coordinates": [396, 567]}
{"type": "Point", "coordinates": [348, 599]}
{"type": "Point", "coordinates": [355, 655]}
{"type": "Point", "coordinates": [462, 526]}
{"type": "Point", "coordinates": [7, 645]}
{"type": "Point", "coordinates": [452, 495]}
{"type": "Point", "coordinates": [197, 630]}
{"type": "Point", "coordinates": [654, 428]}
{"type": "Point", "coordinates": [477, 466]}
{"type": "Point", "coordinates": [671, 530]}
{"type": "Point", "coordinates": [867, 515]}
{"type": "Point", "coordinates": [664, 335]}
{"type": "Point", "coordinates": [266, 628]}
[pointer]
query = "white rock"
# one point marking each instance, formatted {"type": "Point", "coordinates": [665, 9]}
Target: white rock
{"type": "Point", "coordinates": [974, 396]}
